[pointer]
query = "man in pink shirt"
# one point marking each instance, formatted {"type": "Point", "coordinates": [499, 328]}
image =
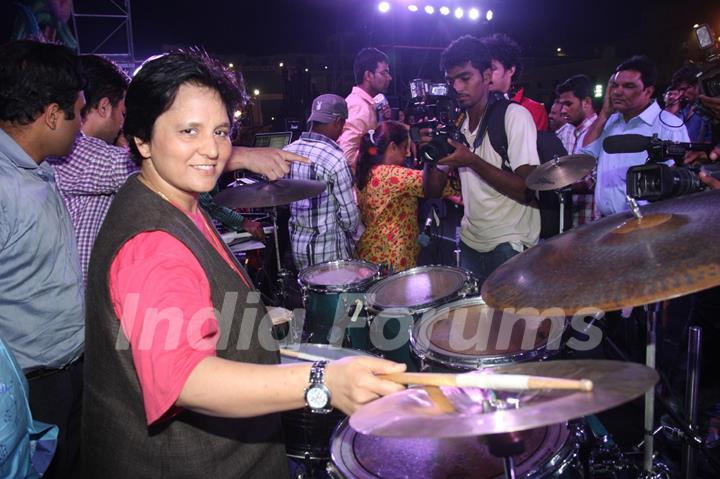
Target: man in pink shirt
{"type": "Point", "coordinates": [372, 77]}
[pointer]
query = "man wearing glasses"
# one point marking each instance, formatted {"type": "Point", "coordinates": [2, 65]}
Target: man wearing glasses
{"type": "Point", "coordinates": [372, 77]}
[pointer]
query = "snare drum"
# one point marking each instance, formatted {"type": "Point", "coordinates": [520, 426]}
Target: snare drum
{"type": "Point", "coordinates": [551, 451]}
{"type": "Point", "coordinates": [396, 302]}
{"type": "Point", "coordinates": [468, 334]}
{"type": "Point", "coordinates": [329, 291]}
{"type": "Point", "coordinates": [307, 435]}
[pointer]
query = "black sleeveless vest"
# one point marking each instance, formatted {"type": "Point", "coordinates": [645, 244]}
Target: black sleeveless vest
{"type": "Point", "coordinates": [116, 441]}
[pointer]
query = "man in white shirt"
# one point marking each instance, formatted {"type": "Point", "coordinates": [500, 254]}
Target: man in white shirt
{"type": "Point", "coordinates": [575, 100]}
{"type": "Point", "coordinates": [372, 77]}
{"type": "Point", "coordinates": [629, 108]}
{"type": "Point", "coordinates": [498, 222]}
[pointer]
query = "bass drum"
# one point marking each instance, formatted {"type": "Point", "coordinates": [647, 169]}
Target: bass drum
{"type": "Point", "coordinates": [550, 452]}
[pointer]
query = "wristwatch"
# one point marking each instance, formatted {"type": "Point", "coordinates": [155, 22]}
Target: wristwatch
{"type": "Point", "coordinates": [317, 395]}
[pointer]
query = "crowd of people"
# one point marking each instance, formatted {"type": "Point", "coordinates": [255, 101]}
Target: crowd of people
{"type": "Point", "coordinates": [134, 329]}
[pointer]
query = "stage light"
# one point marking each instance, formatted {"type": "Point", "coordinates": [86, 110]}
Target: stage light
{"type": "Point", "coordinates": [230, 65]}
{"type": "Point", "coordinates": [256, 92]}
{"type": "Point", "coordinates": [429, 9]}
{"type": "Point", "coordinates": [384, 7]}
{"type": "Point", "coordinates": [281, 64]}
{"type": "Point", "coordinates": [598, 90]}
{"type": "Point", "coordinates": [306, 70]}
{"type": "Point", "coordinates": [473, 14]}
{"type": "Point", "coordinates": [489, 15]}
{"type": "Point", "coordinates": [326, 67]}
{"type": "Point", "coordinates": [696, 25]}
{"type": "Point", "coordinates": [272, 118]}
{"type": "Point", "coordinates": [413, 8]}
{"type": "Point", "coordinates": [459, 12]}
{"type": "Point", "coordinates": [237, 114]}
{"type": "Point", "coordinates": [444, 11]}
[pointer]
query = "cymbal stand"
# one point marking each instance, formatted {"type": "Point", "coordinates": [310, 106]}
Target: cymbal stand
{"type": "Point", "coordinates": [689, 465]}
{"type": "Point", "coordinates": [505, 446]}
{"type": "Point", "coordinates": [651, 312]}
{"type": "Point", "coordinates": [561, 198]}
{"type": "Point", "coordinates": [283, 275]}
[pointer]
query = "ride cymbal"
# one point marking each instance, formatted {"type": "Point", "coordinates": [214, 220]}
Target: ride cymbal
{"type": "Point", "coordinates": [617, 262]}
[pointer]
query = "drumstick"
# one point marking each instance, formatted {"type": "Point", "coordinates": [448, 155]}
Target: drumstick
{"type": "Point", "coordinates": [469, 380]}
{"type": "Point", "coordinates": [300, 355]}
{"type": "Point", "coordinates": [490, 381]}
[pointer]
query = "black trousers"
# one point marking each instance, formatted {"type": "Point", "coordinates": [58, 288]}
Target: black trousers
{"type": "Point", "coordinates": [56, 398]}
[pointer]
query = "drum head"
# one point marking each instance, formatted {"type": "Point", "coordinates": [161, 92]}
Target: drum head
{"type": "Point", "coordinates": [417, 288]}
{"type": "Point", "coordinates": [323, 350]}
{"type": "Point", "coordinates": [358, 456]}
{"type": "Point", "coordinates": [468, 334]}
{"type": "Point", "coordinates": [338, 275]}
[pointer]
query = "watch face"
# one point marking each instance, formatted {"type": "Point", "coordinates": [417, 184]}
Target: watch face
{"type": "Point", "coordinates": [317, 398]}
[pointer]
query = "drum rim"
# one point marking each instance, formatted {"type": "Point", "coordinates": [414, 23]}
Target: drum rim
{"type": "Point", "coordinates": [443, 358]}
{"type": "Point", "coordinates": [571, 436]}
{"type": "Point", "coordinates": [303, 281]}
{"type": "Point", "coordinates": [372, 290]}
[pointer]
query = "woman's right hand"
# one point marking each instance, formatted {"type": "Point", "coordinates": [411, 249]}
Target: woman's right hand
{"type": "Point", "coordinates": [353, 381]}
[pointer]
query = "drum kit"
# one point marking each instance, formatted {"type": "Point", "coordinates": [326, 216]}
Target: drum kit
{"type": "Point", "coordinates": [441, 325]}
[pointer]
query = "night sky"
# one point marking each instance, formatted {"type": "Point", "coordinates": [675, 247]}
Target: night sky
{"type": "Point", "coordinates": [267, 27]}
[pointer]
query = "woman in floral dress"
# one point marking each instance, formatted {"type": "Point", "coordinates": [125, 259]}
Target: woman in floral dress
{"type": "Point", "coordinates": [388, 196]}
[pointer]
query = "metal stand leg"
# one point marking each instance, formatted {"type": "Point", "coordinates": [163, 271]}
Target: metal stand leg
{"type": "Point", "coordinates": [652, 311]}
{"type": "Point", "coordinates": [689, 465]}
{"type": "Point", "coordinates": [283, 276]}
{"type": "Point", "coordinates": [277, 242]}
{"type": "Point", "coordinates": [509, 467]}
{"type": "Point", "coordinates": [561, 198]}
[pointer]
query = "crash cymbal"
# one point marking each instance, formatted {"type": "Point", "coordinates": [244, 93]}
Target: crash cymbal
{"type": "Point", "coordinates": [272, 193]}
{"type": "Point", "coordinates": [561, 172]}
{"type": "Point", "coordinates": [415, 413]}
{"type": "Point", "coordinates": [618, 261]}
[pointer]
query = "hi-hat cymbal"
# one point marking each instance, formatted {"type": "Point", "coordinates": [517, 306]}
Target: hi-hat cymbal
{"type": "Point", "coordinates": [272, 193]}
{"type": "Point", "coordinates": [618, 261]}
{"type": "Point", "coordinates": [417, 413]}
{"type": "Point", "coordinates": [561, 172]}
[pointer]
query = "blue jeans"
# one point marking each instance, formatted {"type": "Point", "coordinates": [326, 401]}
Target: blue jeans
{"type": "Point", "coordinates": [482, 264]}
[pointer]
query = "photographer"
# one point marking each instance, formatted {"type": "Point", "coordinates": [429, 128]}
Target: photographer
{"type": "Point", "coordinates": [498, 221]}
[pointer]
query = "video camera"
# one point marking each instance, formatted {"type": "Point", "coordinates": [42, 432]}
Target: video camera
{"type": "Point", "coordinates": [434, 106]}
{"type": "Point", "coordinates": [655, 180]}
{"type": "Point", "coordinates": [709, 79]}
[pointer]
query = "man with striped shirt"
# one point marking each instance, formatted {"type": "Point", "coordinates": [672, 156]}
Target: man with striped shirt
{"type": "Point", "coordinates": [322, 227]}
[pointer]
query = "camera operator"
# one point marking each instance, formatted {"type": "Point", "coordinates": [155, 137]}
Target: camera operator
{"type": "Point", "coordinates": [498, 221]}
{"type": "Point", "coordinates": [629, 108]}
{"type": "Point", "coordinates": [685, 83]}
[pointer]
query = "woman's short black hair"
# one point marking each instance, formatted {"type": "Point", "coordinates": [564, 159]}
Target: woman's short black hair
{"type": "Point", "coordinates": [374, 145]}
{"type": "Point", "coordinates": [34, 75]}
{"type": "Point", "coordinates": [152, 92]}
